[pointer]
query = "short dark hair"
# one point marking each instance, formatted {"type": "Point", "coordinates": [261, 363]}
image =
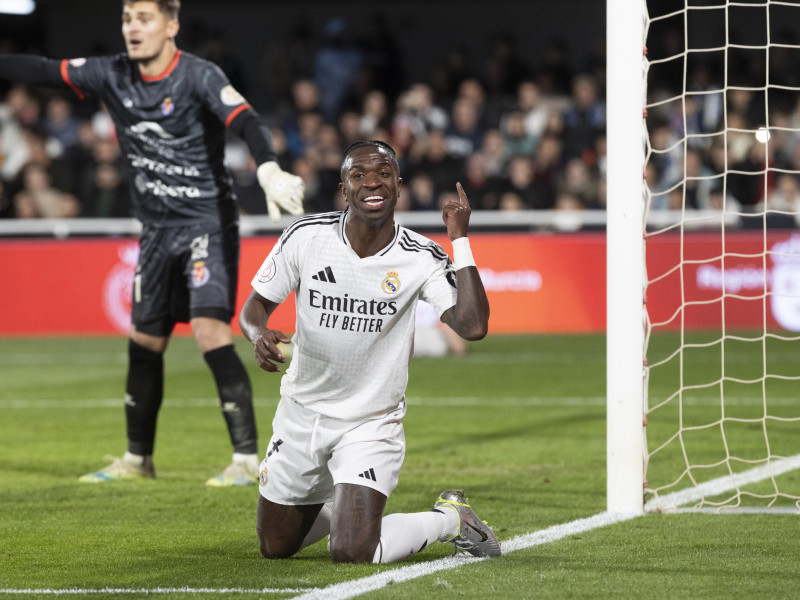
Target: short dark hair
{"type": "Point", "coordinates": [170, 8]}
{"type": "Point", "coordinates": [362, 143]}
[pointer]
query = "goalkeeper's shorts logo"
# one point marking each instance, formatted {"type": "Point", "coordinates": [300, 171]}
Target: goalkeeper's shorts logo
{"type": "Point", "coordinates": [200, 274]}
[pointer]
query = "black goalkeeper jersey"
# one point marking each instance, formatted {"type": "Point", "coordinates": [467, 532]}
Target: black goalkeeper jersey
{"type": "Point", "coordinates": [171, 131]}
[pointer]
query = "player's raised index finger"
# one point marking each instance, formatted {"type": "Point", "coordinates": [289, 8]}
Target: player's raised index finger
{"type": "Point", "coordinates": [462, 196]}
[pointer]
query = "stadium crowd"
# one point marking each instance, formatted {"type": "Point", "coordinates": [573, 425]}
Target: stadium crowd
{"type": "Point", "coordinates": [519, 132]}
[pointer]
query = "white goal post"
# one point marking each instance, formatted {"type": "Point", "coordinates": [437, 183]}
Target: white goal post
{"type": "Point", "coordinates": [625, 97]}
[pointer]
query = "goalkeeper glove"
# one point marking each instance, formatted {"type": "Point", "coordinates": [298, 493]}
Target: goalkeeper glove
{"type": "Point", "coordinates": [282, 190]}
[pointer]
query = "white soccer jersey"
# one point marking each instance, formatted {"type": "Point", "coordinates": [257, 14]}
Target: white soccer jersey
{"type": "Point", "coordinates": [355, 316]}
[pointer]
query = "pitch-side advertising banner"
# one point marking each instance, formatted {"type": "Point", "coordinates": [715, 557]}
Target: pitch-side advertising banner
{"type": "Point", "coordinates": [537, 283]}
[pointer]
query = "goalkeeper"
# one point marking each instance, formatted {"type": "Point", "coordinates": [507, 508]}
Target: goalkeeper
{"type": "Point", "coordinates": [171, 111]}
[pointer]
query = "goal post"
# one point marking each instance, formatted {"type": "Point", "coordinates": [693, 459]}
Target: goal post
{"type": "Point", "coordinates": [625, 262]}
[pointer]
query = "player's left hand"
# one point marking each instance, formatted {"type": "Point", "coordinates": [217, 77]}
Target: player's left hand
{"type": "Point", "coordinates": [456, 215]}
{"type": "Point", "coordinates": [283, 190]}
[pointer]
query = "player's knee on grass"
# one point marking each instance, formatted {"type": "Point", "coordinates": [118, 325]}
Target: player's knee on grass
{"type": "Point", "coordinates": [358, 551]}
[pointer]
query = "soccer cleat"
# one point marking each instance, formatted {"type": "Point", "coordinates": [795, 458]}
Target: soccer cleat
{"type": "Point", "coordinates": [474, 536]}
{"type": "Point", "coordinates": [121, 468]}
{"type": "Point", "coordinates": [237, 473]}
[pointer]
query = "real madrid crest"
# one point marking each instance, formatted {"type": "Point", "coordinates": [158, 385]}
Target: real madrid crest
{"type": "Point", "coordinates": [391, 283]}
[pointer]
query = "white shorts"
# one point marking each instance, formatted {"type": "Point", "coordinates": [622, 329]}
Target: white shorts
{"type": "Point", "coordinates": [309, 454]}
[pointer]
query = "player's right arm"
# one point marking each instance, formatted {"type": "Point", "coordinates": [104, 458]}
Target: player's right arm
{"type": "Point", "coordinates": [76, 74]}
{"type": "Point", "coordinates": [34, 70]}
{"type": "Point", "coordinates": [253, 320]}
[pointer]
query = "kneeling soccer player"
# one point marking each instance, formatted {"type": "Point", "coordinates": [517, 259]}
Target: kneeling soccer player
{"type": "Point", "coordinates": [338, 441]}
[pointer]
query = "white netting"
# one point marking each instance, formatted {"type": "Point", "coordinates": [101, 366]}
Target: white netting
{"type": "Point", "coordinates": [722, 180]}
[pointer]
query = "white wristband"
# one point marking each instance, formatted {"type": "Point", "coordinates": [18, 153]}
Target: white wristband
{"type": "Point", "coordinates": [462, 254]}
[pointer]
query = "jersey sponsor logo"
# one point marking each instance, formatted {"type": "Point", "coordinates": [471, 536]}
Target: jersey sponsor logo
{"type": "Point", "coordinates": [142, 162]}
{"type": "Point", "coordinates": [159, 188]}
{"type": "Point", "coordinates": [151, 127]}
{"type": "Point", "coordinates": [267, 271]}
{"type": "Point", "coordinates": [77, 62]}
{"type": "Point", "coordinates": [167, 107]}
{"type": "Point", "coordinates": [200, 274]}
{"type": "Point", "coordinates": [391, 283]}
{"type": "Point", "coordinates": [230, 97]}
{"type": "Point", "coordinates": [346, 304]}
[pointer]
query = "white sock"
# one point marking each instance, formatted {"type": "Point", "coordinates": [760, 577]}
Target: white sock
{"type": "Point", "coordinates": [404, 534]}
{"type": "Point", "coordinates": [137, 459]}
{"type": "Point", "coordinates": [321, 526]}
{"type": "Point", "coordinates": [249, 459]}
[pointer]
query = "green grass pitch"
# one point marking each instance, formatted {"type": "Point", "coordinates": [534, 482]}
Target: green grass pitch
{"type": "Point", "coordinates": [519, 423]}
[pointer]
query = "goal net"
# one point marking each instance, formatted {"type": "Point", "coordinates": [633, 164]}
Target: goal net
{"type": "Point", "coordinates": [721, 387]}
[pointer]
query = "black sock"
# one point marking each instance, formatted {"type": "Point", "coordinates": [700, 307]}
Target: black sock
{"type": "Point", "coordinates": [144, 392]}
{"type": "Point", "coordinates": [235, 396]}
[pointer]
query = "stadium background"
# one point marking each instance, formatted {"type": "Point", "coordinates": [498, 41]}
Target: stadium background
{"type": "Point", "coordinates": [265, 49]}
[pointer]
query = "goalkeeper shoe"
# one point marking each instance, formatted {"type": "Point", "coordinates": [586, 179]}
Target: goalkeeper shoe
{"type": "Point", "coordinates": [127, 467]}
{"type": "Point", "coordinates": [474, 536]}
{"type": "Point", "coordinates": [239, 472]}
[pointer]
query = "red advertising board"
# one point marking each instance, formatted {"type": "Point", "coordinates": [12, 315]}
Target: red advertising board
{"type": "Point", "coordinates": [537, 283]}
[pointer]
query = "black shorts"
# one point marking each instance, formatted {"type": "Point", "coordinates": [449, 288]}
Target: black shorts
{"type": "Point", "coordinates": [185, 272]}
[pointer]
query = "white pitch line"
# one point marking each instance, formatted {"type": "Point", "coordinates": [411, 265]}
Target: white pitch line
{"type": "Point", "coordinates": [356, 587]}
{"type": "Point", "coordinates": [159, 590]}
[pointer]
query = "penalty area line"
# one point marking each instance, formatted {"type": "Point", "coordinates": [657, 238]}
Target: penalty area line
{"type": "Point", "coordinates": [356, 587]}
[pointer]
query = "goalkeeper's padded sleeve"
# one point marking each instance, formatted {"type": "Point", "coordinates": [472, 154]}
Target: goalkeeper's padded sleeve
{"type": "Point", "coordinates": [249, 126]}
{"type": "Point", "coordinates": [34, 70]}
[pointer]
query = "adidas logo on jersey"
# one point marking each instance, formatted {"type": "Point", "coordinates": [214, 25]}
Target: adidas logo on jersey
{"type": "Point", "coordinates": [368, 474]}
{"type": "Point", "coordinates": [325, 275]}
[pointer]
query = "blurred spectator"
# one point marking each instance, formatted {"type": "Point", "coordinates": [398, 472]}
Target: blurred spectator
{"type": "Point", "coordinates": [426, 115]}
{"type": "Point", "coordinates": [305, 99]}
{"type": "Point", "coordinates": [60, 124]}
{"type": "Point", "coordinates": [529, 103]}
{"type": "Point", "coordinates": [493, 148]}
{"type": "Point", "coordinates": [511, 201]}
{"type": "Point", "coordinates": [14, 151]}
{"type": "Point", "coordinates": [464, 132]}
{"type": "Point", "coordinates": [109, 195]}
{"type": "Point", "coordinates": [516, 138]}
{"type": "Point", "coordinates": [546, 170]}
{"type": "Point", "coordinates": [39, 199]}
{"type": "Point", "coordinates": [585, 119]}
{"type": "Point", "coordinates": [482, 190]}
{"type": "Point", "coordinates": [443, 168]}
{"type": "Point", "coordinates": [579, 183]}
{"type": "Point", "coordinates": [336, 67]}
{"type": "Point", "coordinates": [423, 191]}
{"type": "Point", "coordinates": [374, 114]}
{"type": "Point", "coordinates": [521, 182]}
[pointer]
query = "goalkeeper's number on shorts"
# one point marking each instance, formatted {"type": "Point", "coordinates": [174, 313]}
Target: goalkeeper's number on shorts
{"type": "Point", "coordinates": [283, 190]}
